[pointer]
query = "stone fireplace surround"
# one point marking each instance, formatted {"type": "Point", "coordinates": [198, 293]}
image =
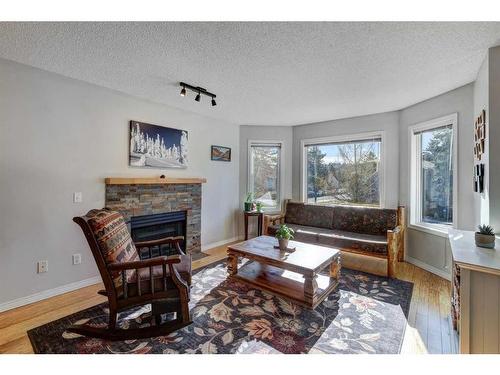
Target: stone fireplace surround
{"type": "Point", "coordinates": [146, 196]}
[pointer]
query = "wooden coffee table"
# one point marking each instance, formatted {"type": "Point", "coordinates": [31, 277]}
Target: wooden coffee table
{"type": "Point", "coordinates": [293, 275]}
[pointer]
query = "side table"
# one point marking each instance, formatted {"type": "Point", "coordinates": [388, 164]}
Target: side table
{"type": "Point", "coordinates": [260, 220]}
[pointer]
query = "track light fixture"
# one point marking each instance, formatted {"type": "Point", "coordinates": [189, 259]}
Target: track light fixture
{"type": "Point", "coordinates": [199, 91]}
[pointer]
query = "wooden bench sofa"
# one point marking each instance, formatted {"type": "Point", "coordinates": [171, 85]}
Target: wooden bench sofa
{"type": "Point", "coordinates": [370, 239]}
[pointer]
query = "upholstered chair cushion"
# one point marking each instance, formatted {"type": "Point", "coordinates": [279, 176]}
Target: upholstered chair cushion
{"type": "Point", "coordinates": [112, 235]}
{"type": "Point", "coordinates": [358, 242]}
{"type": "Point", "coordinates": [366, 220]}
{"type": "Point", "coordinates": [309, 215]}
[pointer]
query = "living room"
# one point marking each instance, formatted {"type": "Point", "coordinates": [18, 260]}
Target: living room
{"type": "Point", "coordinates": [249, 187]}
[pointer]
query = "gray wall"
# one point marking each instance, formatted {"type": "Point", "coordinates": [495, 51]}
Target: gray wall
{"type": "Point", "coordinates": [494, 136]}
{"type": "Point", "coordinates": [387, 122]}
{"type": "Point", "coordinates": [487, 97]}
{"type": "Point", "coordinates": [424, 247]}
{"type": "Point", "coordinates": [59, 136]}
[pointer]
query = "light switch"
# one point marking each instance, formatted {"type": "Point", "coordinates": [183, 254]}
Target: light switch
{"type": "Point", "coordinates": [77, 259]}
{"type": "Point", "coordinates": [77, 197]}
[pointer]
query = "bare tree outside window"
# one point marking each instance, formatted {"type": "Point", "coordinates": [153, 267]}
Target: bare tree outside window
{"type": "Point", "coordinates": [433, 158]}
{"type": "Point", "coordinates": [265, 174]}
{"type": "Point", "coordinates": [344, 173]}
{"type": "Point", "coordinates": [437, 175]}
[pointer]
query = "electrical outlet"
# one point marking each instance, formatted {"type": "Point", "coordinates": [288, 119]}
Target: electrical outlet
{"type": "Point", "coordinates": [77, 259]}
{"type": "Point", "coordinates": [77, 197]}
{"type": "Point", "coordinates": [42, 266]}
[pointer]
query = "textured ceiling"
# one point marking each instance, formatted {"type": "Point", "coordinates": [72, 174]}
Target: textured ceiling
{"type": "Point", "coordinates": [263, 73]}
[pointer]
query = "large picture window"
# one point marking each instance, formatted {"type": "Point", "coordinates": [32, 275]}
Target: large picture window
{"type": "Point", "coordinates": [344, 171]}
{"type": "Point", "coordinates": [433, 174]}
{"type": "Point", "coordinates": [265, 174]}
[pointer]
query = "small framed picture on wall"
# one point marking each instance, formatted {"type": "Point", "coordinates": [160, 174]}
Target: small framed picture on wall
{"type": "Point", "coordinates": [220, 153]}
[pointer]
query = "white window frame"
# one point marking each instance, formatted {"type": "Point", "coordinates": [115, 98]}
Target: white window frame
{"type": "Point", "coordinates": [281, 176]}
{"type": "Point", "coordinates": [339, 139]}
{"type": "Point", "coordinates": [414, 189]}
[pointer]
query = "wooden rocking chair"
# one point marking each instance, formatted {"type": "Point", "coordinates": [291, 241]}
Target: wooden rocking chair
{"type": "Point", "coordinates": [162, 281]}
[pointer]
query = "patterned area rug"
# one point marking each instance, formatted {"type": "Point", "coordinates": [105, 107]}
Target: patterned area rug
{"type": "Point", "coordinates": [365, 314]}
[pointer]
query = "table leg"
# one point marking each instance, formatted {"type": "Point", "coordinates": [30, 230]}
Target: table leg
{"type": "Point", "coordinates": [310, 288]}
{"type": "Point", "coordinates": [246, 227]}
{"type": "Point", "coordinates": [232, 264]}
{"type": "Point", "coordinates": [335, 268]}
{"type": "Point", "coordinates": [259, 225]}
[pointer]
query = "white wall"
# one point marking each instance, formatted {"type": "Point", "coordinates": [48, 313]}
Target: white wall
{"type": "Point", "coordinates": [59, 136]}
{"type": "Point", "coordinates": [425, 248]}
{"type": "Point", "coordinates": [387, 122]}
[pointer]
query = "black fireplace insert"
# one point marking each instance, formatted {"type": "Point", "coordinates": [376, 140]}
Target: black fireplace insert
{"type": "Point", "coordinates": [156, 226]}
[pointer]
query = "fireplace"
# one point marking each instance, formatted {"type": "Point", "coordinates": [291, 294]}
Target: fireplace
{"type": "Point", "coordinates": [156, 226]}
{"type": "Point", "coordinates": [137, 197]}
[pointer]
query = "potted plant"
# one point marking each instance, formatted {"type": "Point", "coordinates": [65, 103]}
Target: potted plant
{"type": "Point", "coordinates": [485, 237]}
{"type": "Point", "coordinates": [249, 202]}
{"type": "Point", "coordinates": [284, 234]}
{"type": "Point", "coordinates": [258, 206]}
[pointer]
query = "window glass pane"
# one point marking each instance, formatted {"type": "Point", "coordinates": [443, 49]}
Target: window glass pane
{"type": "Point", "coordinates": [265, 172]}
{"type": "Point", "coordinates": [437, 175]}
{"type": "Point", "coordinates": [344, 173]}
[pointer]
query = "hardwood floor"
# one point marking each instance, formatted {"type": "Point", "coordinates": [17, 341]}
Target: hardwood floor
{"type": "Point", "coordinates": [428, 330]}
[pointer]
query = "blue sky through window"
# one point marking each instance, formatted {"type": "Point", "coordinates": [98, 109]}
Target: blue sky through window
{"type": "Point", "coordinates": [333, 153]}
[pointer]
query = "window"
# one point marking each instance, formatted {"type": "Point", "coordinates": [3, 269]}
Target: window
{"type": "Point", "coordinates": [265, 173]}
{"type": "Point", "coordinates": [343, 171]}
{"type": "Point", "coordinates": [433, 175]}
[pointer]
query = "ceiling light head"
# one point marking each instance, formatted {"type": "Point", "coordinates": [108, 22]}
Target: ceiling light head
{"type": "Point", "coordinates": [198, 90]}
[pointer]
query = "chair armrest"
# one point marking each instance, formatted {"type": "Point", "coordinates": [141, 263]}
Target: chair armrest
{"type": "Point", "coordinates": [395, 230]}
{"type": "Point", "coordinates": [271, 220]}
{"type": "Point", "coordinates": [395, 249]}
{"type": "Point", "coordinates": [274, 218]}
{"type": "Point", "coordinates": [158, 261]}
{"type": "Point", "coordinates": [162, 241]}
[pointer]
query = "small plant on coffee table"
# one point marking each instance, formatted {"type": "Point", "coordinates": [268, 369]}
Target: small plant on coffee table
{"type": "Point", "coordinates": [284, 234]}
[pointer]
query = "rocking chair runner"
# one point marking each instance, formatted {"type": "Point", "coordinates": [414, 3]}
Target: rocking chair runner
{"type": "Point", "coordinates": [162, 281]}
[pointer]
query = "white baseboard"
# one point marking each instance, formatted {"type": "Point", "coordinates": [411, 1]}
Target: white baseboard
{"type": "Point", "coordinates": [428, 267]}
{"type": "Point", "coordinates": [220, 243]}
{"type": "Point", "coordinates": [48, 293]}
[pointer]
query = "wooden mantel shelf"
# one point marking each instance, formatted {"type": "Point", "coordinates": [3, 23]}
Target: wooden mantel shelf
{"type": "Point", "coordinates": [152, 180]}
